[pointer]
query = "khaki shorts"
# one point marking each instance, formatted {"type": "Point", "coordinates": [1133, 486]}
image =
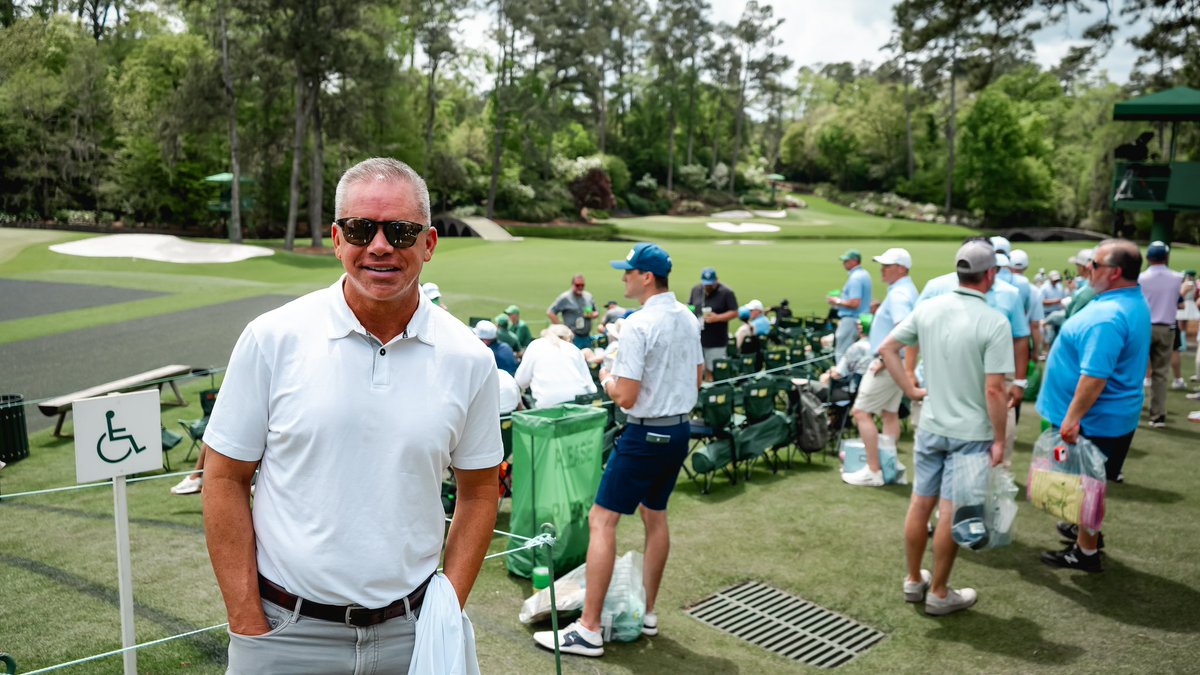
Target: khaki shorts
{"type": "Point", "coordinates": [878, 392]}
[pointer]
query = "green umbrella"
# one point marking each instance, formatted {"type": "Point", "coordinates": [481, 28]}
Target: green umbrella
{"type": "Point", "coordinates": [225, 178]}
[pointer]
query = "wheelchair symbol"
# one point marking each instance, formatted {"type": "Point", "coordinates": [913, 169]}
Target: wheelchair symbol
{"type": "Point", "coordinates": [115, 435]}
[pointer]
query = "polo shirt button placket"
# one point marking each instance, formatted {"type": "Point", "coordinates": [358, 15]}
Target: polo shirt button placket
{"type": "Point", "coordinates": [379, 369]}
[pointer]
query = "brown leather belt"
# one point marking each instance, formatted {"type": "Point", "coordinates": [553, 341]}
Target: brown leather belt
{"type": "Point", "coordinates": [351, 615]}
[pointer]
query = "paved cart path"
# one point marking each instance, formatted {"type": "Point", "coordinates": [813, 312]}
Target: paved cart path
{"type": "Point", "coordinates": [67, 362]}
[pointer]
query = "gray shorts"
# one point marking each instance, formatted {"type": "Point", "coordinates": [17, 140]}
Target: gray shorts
{"type": "Point", "coordinates": [934, 459]}
{"type": "Point", "coordinates": [712, 354]}
{"type": "Point", "coordinates": [300, 645]}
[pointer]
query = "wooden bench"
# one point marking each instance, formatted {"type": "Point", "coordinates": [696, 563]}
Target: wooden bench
{"type": "Point", "coordinates": [159, 376]}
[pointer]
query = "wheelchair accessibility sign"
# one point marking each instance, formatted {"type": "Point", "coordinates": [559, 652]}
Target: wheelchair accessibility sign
{"type": "Point", "coordinates": [117, 435]}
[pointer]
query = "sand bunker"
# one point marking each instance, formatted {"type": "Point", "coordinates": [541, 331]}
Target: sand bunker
{"type": "Point", "coordinates": [159, 247]}
{"type": "Point", "coordinates": [743, 228]}
{"type": "Point", "coordinates": [743, 242]}
{"type": "Point", "coordinates": [733, 214]}
{"type": "Point", "coordinates": [771, 214]}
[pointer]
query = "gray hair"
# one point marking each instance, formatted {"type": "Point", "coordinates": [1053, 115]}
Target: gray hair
{"type": "Point", "coordinates": [382, 169]}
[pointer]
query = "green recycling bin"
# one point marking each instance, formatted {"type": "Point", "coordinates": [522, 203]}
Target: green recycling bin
{"type": "Point", "coordinates": [14, 438]}
{"type": "Point", "coordinates": [555, 474]}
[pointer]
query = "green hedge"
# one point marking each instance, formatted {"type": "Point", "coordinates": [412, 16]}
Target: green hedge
{"type": "Point", "coordinates": [593, 232]}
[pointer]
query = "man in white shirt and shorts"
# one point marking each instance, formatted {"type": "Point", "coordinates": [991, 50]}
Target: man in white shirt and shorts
{"type": "Point", "coordinates": [654, 379]}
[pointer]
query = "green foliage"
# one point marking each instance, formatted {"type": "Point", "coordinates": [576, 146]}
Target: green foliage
{"type": "Point", "coordinates": [639, 205]}
{"type": "Point", "coordinates": [591, 232]}
{"type": "Point", "coordinates": [1002, 163]}
{"type": "Point", "coordinates": [618, 173]}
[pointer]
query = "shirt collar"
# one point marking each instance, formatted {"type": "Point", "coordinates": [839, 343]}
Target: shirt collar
{"type": "Point", "coordinates": [971, 292]}
{"type": "Point", "coordinates": [342, 321]}
{"type": "Point", "coordinates": [665, 299]}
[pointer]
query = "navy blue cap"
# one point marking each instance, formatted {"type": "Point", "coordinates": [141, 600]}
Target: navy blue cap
{"type": "Point", "coordinates": [1157, 251]}
{"type": "Point", "coordinates": [647, 258]}
{"type": "Point", "coordinates": [708, 276]}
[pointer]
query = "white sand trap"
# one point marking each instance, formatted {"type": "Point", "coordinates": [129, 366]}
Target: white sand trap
{"type": "Point", "coordinates": [743, 242]}
{"type": "Point", "coordinates": [733, 214]}
{"type": "Point", "coordinates": [743, 228]}
{"type": "Point", "coordinates": [159, 247]}
{"type": "Point", "coordinates": [771, 214]}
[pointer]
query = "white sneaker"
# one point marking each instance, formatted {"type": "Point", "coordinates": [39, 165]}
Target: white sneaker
{"type": "Point", "coordinates": [650, 624]}
{"type": "Point", "coordinates": [1195, 396]}
{"type": "Point", "coordinates": [574, 639]}
{"type": "Point", "coordinates": [1178, 384]}
{"type": "Point", "coordinates": [954, 601]}
{"type": "Point", "coordinates": [188, 486]}
{"type": "Point", "coordinates": [915, 591]}
{"type": "Point", "coordinates": [1146, 383]}
{"type": "Point", "coordinates": [864, 477]}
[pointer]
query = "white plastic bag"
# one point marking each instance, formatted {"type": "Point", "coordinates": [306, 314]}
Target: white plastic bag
{"type": "Point", "coordinates": [625, 603]}
{"type": "Point", "coordinates": [568, 592]}
{"type": "Point", "coordinates": [1001, 509]}
{"type": "Point", "coordinates": [969, 492]}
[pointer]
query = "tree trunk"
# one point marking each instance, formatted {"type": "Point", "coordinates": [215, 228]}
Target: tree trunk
{"type": "Point", "coordinates": [739, 114]}
{"type": "Point", "coordinates": [498, 131]}
{"type": "Point", "coordinates": [691, 114]}
{"type": "Point", "coordinates": [235, 189]}
{"type": "Point", "coordinates": [716, 135]}
{"type": "Point", "coordinates": [908, 134]}
{"type": "Point", "coordinates": [316, 176]}
{"type": "Point", "coordinates": [602, 108]}
{"type": "Point", "coordinates": [950, 123]}
{"type": "Point", "coordinates": [431, 116]}
{"type": "Point", "coordinates": [671, 147]}
{"type": "Point", "coordinates": [302, 113]}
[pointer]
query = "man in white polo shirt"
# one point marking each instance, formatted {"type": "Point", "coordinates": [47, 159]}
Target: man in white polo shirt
{"type": "Point", "coordinates": [654, 379]}
{"type": "Point", "coordinates": [351, 402]}
{"type": "Point", "coordinates": [879, 394]}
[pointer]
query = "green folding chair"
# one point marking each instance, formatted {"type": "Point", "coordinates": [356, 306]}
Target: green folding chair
{"type": "Point", "coordinates": [195, 428]}
{"type": "Point", "coordinates": [722, 370]}
{"type": "Point", "coordinates": [712, 436]}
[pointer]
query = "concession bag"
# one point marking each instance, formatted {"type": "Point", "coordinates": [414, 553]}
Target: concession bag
{"type": "Point", "coordinates": [1068, 480]}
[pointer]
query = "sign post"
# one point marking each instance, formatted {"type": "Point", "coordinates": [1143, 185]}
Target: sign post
{"type": "Point", "coordinates": [115, 436]}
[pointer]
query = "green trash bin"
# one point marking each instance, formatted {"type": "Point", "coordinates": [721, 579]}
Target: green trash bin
{"type": "Point", "coordinates": [555, 474]}
{"type": "Point", "coordinates": [14, 438]}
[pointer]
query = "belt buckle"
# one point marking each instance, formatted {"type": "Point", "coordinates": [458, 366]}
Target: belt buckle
{"type": "Point", "coordinates": [357, 616]}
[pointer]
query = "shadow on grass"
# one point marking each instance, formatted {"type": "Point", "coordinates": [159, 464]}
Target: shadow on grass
{"type": "Point", "coordinates": [1142, 493]}
{"type": "Point", "coordinates": [661, 654]}
{"type": "Point", "coordinates": [1122, 593]}
{"type": "Point", "coordinates": [1017, 637]}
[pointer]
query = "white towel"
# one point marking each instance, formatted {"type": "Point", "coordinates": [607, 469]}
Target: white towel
{"type": "Point", "coordinates": [445, 642]}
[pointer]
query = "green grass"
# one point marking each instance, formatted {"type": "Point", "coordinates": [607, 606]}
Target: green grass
{"type": "Point", "coordinates": [821, 220]}
{"type": "Point", "coordinates": [801, 530]}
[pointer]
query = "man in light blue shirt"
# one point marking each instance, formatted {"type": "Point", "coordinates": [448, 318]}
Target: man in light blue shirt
{"type": "Point", "coordinates": [1033, 300]}
{"type": "Point", "coordinates": [854, 300]}
{"type": "Point", "coordinates": [1093, 383]}
{"type": "Point", "coordinates": [878, 394]}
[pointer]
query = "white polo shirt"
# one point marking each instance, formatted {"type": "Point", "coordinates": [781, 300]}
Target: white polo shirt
{"type": "Point", "coordinates": [660, 348]}
{"type": "Point", "coordinates": [554, 371]}
{"type": "Point", "coordinates": [354, 436]}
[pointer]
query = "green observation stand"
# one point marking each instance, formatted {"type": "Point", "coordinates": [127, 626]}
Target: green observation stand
{"type": "Point", "coordinates": [1143, 182]}
{"type": "Point", "coordinates": [224, 205]}
{"type": "Point", "coordinates": [556, 471]}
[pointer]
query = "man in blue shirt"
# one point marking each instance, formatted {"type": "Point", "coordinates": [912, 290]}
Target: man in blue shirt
{"type": "Point", "coordinates": [879, 394]}
{"type": "Point", "coordinates": [505, 359]}
{"type": "Point", "coordinates": [854, 300]}
{"type": "Point", "coordinates": [1093, 383]}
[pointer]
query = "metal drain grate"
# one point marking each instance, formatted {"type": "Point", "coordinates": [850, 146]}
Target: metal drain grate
{"type": "Point", "coordinates": [786, 624]}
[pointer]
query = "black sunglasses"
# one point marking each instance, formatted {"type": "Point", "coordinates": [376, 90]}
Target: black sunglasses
{"type": "Point", "coordinates": [1097, 265]}
{"type": "Point", "coordinates": [399, 233]}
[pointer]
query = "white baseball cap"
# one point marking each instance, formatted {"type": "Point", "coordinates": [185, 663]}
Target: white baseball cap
{"type": "Point", "coordinates": [895, 256]}
{"type": "Point", "coordinates": [1001, 260]}
{"type": "Point", "coordinates": [1001, 244]}
{"type": "Point", "coordinates": [1019, 259]}
{"type": "Point", "coordinates": [485, 330]}
{"type": "Point", "coordinates": [1053, 275]}
{"type": "Point", "coordinates": [754, 304]}
{"type": "Point", "coordinates": [1083, 257]}
{"type": "Point", "coordinates": [431, 290]}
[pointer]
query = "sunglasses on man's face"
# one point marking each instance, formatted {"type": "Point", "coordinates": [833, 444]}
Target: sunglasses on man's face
{"type": "Point", "coordinates": [361, 231]}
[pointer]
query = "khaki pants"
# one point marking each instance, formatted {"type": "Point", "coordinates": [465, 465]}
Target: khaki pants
{"type": "Point", "coordinates": [1162, 343]}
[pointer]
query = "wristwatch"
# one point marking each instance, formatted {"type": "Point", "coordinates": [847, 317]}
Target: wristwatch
{"type": "Point", "coordinates": [1021, 383]}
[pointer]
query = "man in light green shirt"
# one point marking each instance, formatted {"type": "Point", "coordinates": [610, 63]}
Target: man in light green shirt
{"type": "Point", "coordinates": [967, 349]}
